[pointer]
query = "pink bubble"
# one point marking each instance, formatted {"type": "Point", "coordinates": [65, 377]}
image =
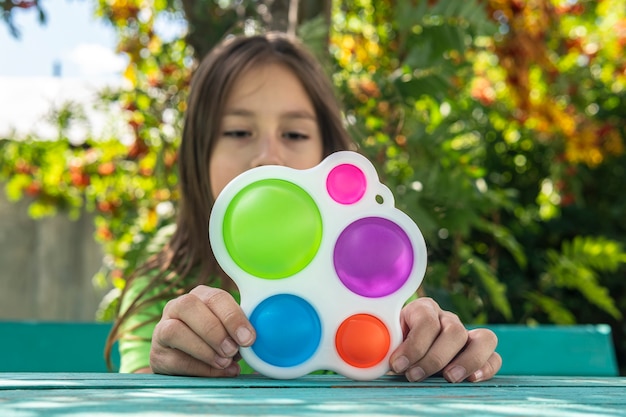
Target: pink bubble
{"type": "Point", "coordinates": [346, 184]}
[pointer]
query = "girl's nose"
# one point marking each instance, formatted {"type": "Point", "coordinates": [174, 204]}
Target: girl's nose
{"type": "Point", "coordinates": [269, 153]}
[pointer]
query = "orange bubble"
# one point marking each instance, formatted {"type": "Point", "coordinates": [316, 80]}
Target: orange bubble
{"type": "Point", "coordinates": [362, 341]}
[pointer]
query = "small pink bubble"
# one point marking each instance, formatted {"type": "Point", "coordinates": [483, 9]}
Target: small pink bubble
{"type": "Point", "coordinates": [346, 184]}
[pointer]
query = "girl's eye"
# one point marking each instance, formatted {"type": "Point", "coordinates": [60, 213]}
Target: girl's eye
{"type": "Point", "coordinates": [295, 136]}
{"type": "Point", "coordinates": [236, 133]}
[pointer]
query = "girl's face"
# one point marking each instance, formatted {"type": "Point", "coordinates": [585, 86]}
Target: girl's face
{"type": "Point", "coordinates": [268, 120]}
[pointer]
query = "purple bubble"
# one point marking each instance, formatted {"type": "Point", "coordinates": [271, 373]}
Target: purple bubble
{"type": "Point", "coordinates": [373, 257]}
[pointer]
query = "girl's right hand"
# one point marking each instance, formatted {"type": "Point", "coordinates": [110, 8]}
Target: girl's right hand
{"type": "Point", "coordinates": [200, 334]}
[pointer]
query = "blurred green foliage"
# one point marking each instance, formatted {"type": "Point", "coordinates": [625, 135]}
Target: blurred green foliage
{"type": "Point", "coordinates": [497, 124]}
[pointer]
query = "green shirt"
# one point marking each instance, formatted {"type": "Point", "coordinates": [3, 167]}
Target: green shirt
{"type": "Point", "coordinates": [134, 344]}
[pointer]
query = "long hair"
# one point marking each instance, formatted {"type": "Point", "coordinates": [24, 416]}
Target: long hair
{"type": "Point", "coordinates": [187, 259]}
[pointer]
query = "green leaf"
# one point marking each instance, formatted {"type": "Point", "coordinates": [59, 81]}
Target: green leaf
{"type": "Point", "coordinates": [428, 85]}
{"type": "Point", "coordinates": [576, 265]}
{"type": "Point", "coordinates": [493, 286]}
{"type": "Point", "coordinates": [505, 238]}
{"type": "Point", "coordinates": [599, 253]}
{"type": "Point", "coordinates": [314, 34]}
{"type": "Point", "coordinates": [408, 15]}
{"type": "Point", "coordinates": [419, 55]}
{"type": "Point", "coordinates": [555, 310]}
{"type": "Point", "coordinates": [15, 186]}
{"type": "Point", "coordinates": [39, 209]}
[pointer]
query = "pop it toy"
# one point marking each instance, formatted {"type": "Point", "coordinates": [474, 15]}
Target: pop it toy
{"type": "Point", "coordinates": [324, 263]}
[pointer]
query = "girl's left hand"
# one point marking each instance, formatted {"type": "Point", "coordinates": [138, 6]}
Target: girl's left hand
{"type": "Point", "coordinates": [436, 341]}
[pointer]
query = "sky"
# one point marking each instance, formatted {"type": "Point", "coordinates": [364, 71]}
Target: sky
{"type": "Point", "coordinates": [72, 38]}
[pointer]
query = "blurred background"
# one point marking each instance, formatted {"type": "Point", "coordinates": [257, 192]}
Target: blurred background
{"type": "Point", "coordinates": [498, 124]}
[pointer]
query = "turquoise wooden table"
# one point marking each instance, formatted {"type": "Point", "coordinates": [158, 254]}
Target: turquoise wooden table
{"type": "Point", "coordinates": [102, 395]}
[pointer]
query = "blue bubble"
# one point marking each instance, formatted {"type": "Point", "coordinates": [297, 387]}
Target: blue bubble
{"type": "Point", "coordinates": [288, 330]}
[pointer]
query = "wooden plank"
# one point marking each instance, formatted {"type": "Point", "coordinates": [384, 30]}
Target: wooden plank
{"type": "Point", "coordinates": [47, 265]}
{"type": "Point", "coordinates": [113, 381]}
{"type": "Point", "coordinates": [542, 350]}
{"type": "Point", "coordinates": [580, 350]}
{"type": "Point", "coordinates": [506, 396]}
{"type": "Point", "coordinates": [35, 346]}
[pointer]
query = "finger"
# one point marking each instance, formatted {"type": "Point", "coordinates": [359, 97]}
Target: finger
{"type": "Point", "coordinates": [176, 362]}
{"type": "Point", "coordinates": [230, 314]}
{"type": "Point", "coordinates": [475, 357]}
{"type": "Point", "coordinates": [190, 312]}
{"type": "Point", "coordinates": [489, 370]}
{"type": "Point", "coordinates": [416, 315]}
{"type": "Point", "coordinates": [445, 347]}
{"type": "Point", "coordinates": [422, 315]}
{"type": "Point", "coordinates": [433, 339]}
{"type": "Point", "coordinates": [215, 316]}
{"type": "Point", "coordinates": [172, 335]}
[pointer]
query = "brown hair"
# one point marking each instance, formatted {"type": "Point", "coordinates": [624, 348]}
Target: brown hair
{"type": "Point", "coordinates": [189, 248]}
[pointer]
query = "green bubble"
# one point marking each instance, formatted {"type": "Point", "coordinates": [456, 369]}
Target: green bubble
{"type": "Point", "coordinates": [272, 229]}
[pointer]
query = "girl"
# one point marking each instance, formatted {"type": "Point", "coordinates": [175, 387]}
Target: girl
{"type": "Point", "coordinates": [256, 101]}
